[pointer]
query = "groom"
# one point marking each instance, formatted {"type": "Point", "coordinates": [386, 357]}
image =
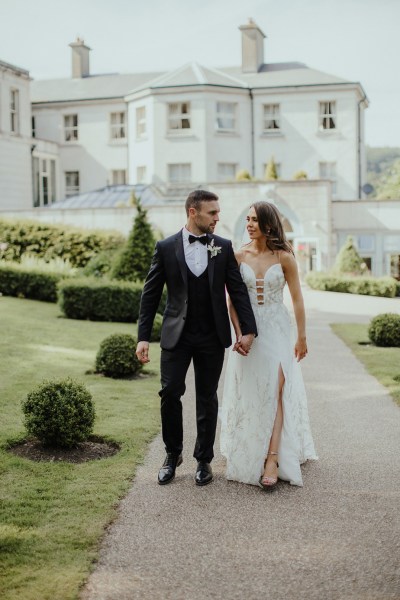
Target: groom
{"type": "Point", "coordinates": [196, 266]}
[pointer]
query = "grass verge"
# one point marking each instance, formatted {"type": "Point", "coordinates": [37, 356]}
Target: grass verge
{"type": "Point", "coordinates": [52, 515]}
{"type": "Point", "coordinates": [382, 363]}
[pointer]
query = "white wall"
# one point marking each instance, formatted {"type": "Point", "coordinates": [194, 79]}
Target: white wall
{"type": "Point", "coordinates": [15, 149]}
{"type": "Point", "coordinates": [95, 154]}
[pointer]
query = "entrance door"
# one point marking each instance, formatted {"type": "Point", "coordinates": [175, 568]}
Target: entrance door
{"type": "Point", "coordinates": [308, 255]}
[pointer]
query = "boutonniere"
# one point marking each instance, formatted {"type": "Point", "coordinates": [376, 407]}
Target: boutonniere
{"type": "Point", "coordinates": [213, 250]}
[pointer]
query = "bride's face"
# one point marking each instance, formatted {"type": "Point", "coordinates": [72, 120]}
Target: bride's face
{"type": "Point", "coordinates": [253, 228]}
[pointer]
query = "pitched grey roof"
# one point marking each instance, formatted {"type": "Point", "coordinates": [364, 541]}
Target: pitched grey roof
{"type": "Point", "coordinates": [118, 86]}
{"type": "Point", "coordinates": [111, 196]}
{"type": "Point", "coordinates": [87, 88]}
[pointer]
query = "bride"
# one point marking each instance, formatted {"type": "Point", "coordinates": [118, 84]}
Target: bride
{"type": "Point", "coordinates": [265, 429]}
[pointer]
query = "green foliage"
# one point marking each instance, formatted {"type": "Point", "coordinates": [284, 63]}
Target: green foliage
{"type": "Point", "coordinates": [117, 356]}
{"type": "Point", "coordinates": [243, 175]}
{"type": "Point", "coordinates": [348, 260]}
{"type": "Point", "coordinates": [51, 241]}
{"type": "Point", "coordinates": [134, 261]}
{"type": "Point", "coordinates": [366, 286]}
{"type": "Point", "coordinates": [379, 165]}
{"type": "Point", "coordinates": [300, 175]}
{"type": "Point", "coordinates": [100, 299]}
{"type": "Point", "coordinates": [388, 187]}
{"type": "Point", "coordinates": [156, 331]}
{"type": "Point", "coordinates": [17, 280]}
{"type": "Point", "coordinates": [384, 330]}
{"type": "Point", "coordinates": [271, 174]}
{"type": "Point", "coordinates": [101, 264]}
{"type": "Point", "coordinates": [59, 413]}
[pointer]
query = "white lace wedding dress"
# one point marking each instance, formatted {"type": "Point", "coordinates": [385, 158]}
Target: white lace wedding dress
{"type": "Point", "coordinates": [250, 394]}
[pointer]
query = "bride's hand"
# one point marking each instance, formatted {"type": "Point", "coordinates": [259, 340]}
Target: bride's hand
{"type": "Point", "coordinates": [236, 345]}
{"type": "Point", "coordinates": [300, 349]}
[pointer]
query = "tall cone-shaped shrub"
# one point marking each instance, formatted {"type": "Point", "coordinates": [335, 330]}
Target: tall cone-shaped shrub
{"type": "Point", "coordinates": [270, 171]}
{"type": "Point", "coordinates": [135, 259]}
{"type": "Point", "coordinates": [348, 260]}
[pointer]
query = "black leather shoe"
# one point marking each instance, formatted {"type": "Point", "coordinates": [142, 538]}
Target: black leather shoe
{"type": "Point", "coordinates": [204, 474]}
{"type": "Point", "coordinates": [167, 471]}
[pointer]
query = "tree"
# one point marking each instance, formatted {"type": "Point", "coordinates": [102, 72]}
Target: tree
{"type": "Point", "coordinates": [389, 185]}
{"type": "Point", "coordinates": [135, 259]}
{"type": "Point", "coordinates": [271, 173]}
{"type": "Point", "coordinates": [348, 260]}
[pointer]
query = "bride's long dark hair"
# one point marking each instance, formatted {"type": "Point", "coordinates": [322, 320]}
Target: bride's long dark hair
{"type": "Point", "coordinates": [270, 224]}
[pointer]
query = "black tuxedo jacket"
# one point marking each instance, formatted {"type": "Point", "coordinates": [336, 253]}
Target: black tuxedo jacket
{"type": "Point", "coordinates": [169, 267]}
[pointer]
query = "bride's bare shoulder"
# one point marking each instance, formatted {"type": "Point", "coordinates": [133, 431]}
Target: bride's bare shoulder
{"type": "Point", "coordinates": [240, 254]}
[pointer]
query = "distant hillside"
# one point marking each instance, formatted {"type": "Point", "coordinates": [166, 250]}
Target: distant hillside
{"type": "Point", "coordinates": [383, 172]}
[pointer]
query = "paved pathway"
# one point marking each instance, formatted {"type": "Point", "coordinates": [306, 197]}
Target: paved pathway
{"type": "Point", "coordinates": [338, 538]}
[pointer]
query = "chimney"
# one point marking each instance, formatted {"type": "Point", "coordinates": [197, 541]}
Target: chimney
{"type": "Point", "coordinates": [80, 58]}
{"type": "Point", "coordinates": [252, 47]}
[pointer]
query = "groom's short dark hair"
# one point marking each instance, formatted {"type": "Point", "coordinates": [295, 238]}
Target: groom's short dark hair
{"type": "Point", "coordinates": [196, 197]}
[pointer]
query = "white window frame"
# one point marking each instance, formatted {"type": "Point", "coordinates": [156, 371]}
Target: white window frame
{"type": "Point", "coordinates": [118, 125]}
{"type": "Point", "coordinates": [179, 119]}
{"type": "Point", "coordinates": [226, 112]}
{"type": "Point", "coordinates": [327, 115]}
{"type": "Point", "coordinates": [14, 111]}
{"type": "Point", "coordinates": [118, 176]}
{"type": "Point", "coordinates": [182, 170]}
{"type": "Point", "coordinates": [44, 176]}
{"type": "Point", "coordinates": [328, 170]}
{"type": "Point", "coordinates": [226, 171]}
{"type": "Point", "coordinates": [72, 189]}
{"type": "Point", "coordinates": [366, 242]}
{"type": "Point", "coordinates": [271, 118]}
{"type": "Point", "coordinates": [141, 174]}
{"type": "Point", "coordinates": [141, 125]}
{"type": "Point", "coordinates": [71, 123]}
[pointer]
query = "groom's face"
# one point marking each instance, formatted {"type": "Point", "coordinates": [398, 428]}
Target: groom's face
{"type": "Point", "coordinates": [206, 218]}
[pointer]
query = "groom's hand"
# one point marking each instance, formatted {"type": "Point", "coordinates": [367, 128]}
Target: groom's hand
{"type": "Point", "coordinates": [142, 352]}
{"type": "Point", "coordinates": [245, 344]}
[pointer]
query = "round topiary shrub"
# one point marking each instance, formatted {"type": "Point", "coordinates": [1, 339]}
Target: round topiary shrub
{"type": "Point", "coordinates": [156, 331]}
{"type": "Point", "coordinates": [384, 330]}
{"type": "Point", "coordinates": [59, 413]}
{"type": "Point", "coordinates": [117, 356]}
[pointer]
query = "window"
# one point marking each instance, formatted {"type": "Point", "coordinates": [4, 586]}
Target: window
{"type": "Point", "coordinates": [70, 128]}
{"type": "Point", "coordinates": [141, 122]}
{"type": "Point", "coordinates": [14, 111]}
{"type": "Point", "coordinates": [327, 115]}
{"type": "Point", "coordinates": [395, 266]}
{"type": "Point", "coordinates": [178, 116]}
{"type": "Point", "coordinates": [179, 173]}
{"type": "Point", "coordinates": [365, 243]}
{"type": "Point", "coordinates": [271, 120]}
{"type": "Point", "coordinates": [226, 116]}
{"type": "Point", "coordinates": [71, 183]}
{"type": "Point", "coordinates": [44, 181]}
{"type": "Point", "coordinates": [33, 127]}
{"type": "Point", "coordinates": [118, 126]}
{"type": "Point", "coordinates": [327, 170]}
{"type": "Point", "coordinates": [118, 177]}
{"type": "Point", "coordinates": [226, 171]}
{"type": "Point", "coordinates": [140, 174]}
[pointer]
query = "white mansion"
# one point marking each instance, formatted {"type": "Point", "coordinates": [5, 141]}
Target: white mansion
{"type": "Point", "coordinates": [192, 126]}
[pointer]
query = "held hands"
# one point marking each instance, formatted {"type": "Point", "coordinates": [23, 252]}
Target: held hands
{"type": "Point", "coordinates": [142, 352]}
{"type": "Point", "coordinates": [300, 349]}
{"type": "Point", "coordinates": [243, 343]}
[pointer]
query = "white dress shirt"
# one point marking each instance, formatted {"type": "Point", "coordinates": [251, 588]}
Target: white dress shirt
{"type": "Point", "coordinates": [195, 254]}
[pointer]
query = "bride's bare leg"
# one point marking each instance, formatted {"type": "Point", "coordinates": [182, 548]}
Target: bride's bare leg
{"type": "Point", "coordinates": [271, 468]}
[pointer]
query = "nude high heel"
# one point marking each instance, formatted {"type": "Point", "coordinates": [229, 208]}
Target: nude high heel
{"type": "Point", "coordinates": [268, 484]}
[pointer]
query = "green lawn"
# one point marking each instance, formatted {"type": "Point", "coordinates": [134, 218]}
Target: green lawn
{"type": "Point", "coordinates": [52, 515]}
{"type": "Point", "coordinates": [382, 363]}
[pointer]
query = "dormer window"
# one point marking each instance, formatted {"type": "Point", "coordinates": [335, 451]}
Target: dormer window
{"type": "Point", "coordinates": [178, 116]}
{"type": "Point", "coordinates": [327, 115]}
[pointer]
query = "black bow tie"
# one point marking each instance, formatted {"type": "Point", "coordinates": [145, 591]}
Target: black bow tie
{"type": "Point", "coordinates": [203, 239]}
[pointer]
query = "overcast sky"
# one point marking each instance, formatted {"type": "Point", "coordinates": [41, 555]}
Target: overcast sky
{"type": "Point", "coordinates": [355, 39]}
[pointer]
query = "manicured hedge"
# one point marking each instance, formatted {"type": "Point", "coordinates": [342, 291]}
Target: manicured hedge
{"type": "Point", "coordinates": [384, 330]}
{"type": "Point", "coordinates": [100, 300]}
{"type": "Point", "coordinates": [367, 286]}
{"type": "Point", "coordinates": [48, 241]}
{"type": "Point", "coordinates": [24, 283]}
